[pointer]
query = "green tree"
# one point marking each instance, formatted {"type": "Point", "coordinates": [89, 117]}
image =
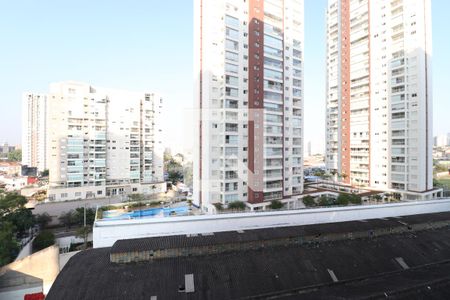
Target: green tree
{"type": "Point", "coordinates": [83, 233]}
{"type": "Point", "coordinates": [10, 202]}
{"type": "Point", "coordinates": [67, 218]}
{"type": "Point", "coordinates": [15, 155]}
{"type": "Point", "coordinates": [343, 199]}
{"type": "Point", "coordinates": [355, 199]}
{"type": "Point", "coordinates": [43, 240]}
{"type": "Point", "coordinates": [309, 201]}
{"type": "Point", "coordinates": [276, 204]}
{"type": "Point", "coordinates": [378, 197]}
{"type": "Point", "coordinates": [236, 205]}
{"type": "Point", "coordinates": [43, 219]}
{"type": "Point", "coordinates": [12, 209]}
{"type": "Point", "coordinates": [45, 173]}
{"type": "Point", "coordinates": [9, 248]}
{"type": "Point", "coordinates": [325, 201]}
{"type": "Point", "coordinates": [78, 216]}
{"type": "Point", "coordinates": [174, 170]}
{"type": "Point", "coordinates": [22, 219]}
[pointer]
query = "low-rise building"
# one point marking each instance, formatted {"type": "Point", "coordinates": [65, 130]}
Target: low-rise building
{"type": "Point", "coordinates": [10, 168]}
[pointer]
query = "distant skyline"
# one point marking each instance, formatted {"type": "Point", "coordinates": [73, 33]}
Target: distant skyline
{"type": "Point", "coordinates": [140, 46]}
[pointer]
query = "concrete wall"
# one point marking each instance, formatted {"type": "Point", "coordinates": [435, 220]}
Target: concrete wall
{"type": "Point", "coordinates": [107, 232]}
{"type": "Point", "coordinates": [43, 264]}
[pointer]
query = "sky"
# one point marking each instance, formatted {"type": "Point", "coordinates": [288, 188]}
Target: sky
{"type": "Point", "coordinates": [147, 45]}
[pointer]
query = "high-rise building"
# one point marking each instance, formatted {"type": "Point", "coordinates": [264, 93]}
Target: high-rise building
{"type": "Point", "coordinates": [441, 140]}
{"type": "Point", "coordinates": [379, 100]}
{"type": "Point", "coordinates": [249, 99]}
{"type": "Point", "coordinates": [102, 142]}
{"type": "Point", "coordinates": [34, 129]}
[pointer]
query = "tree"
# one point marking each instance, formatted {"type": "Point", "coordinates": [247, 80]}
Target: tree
{"type": "Point", "coordinates": [9, 248]}
{"type": "Point", "coordinates": [83, 233]}
{"type": "Point", "coordinates": [15, 155]}
{"type": "Point", "coordinates": [276, 204]}
{"type": "Point", "coordinates": [308, 201]}
{"type": "Point", "coordinates": [45, 173]}
{"type": "Point", "coordinates": [43, 219]}
{"type": "Point", "coordinates": [43, 240]}
{"type": "Point", "coordinates": [319, 173]}
{"type": "Point", "coordinates": [237, 205]}
{"type": "Point", "coordinates": [10, 202]}
{"type": "Point", "coordinates": [175, 176]}
{"type": "Point", "coordinates": [174, 170]}
{"type": "Point", "coordinates": [67, 218]}
{"type": "Point", "coordinates": [355, 199]}
{"type": "Point", "coordinates": [12, 209]}
{"type": "Point", "coordinates": [22, 219]}
{"type": "Point", "coordinates": [343, 199]}
{"type": "Point", "coordinates": [78, 216]}
{"type": "Point", "coordinates": [14, 219]}
{"type": "Point", "coordinates": [325, 201]}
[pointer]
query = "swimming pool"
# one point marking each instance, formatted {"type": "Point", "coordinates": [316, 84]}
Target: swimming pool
{"type": "Point", "coordinates": [145, 213]}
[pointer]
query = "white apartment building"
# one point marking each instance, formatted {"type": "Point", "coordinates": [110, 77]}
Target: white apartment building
{"type": "Point", "coordinates": [102, 142]}
{"type": "Point", "coordinates": [379, 100]}
{"type": "Point", "coordinates": [34, 128]}
{"type": "Point", "coordinates": [248, 68]}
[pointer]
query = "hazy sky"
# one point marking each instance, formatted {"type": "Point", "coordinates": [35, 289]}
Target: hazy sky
{"type": "Point", "coordinates": [146, 45]}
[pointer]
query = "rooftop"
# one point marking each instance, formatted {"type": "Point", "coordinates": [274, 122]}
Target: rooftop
{"type": "Point", "coordinates": [410, 264]}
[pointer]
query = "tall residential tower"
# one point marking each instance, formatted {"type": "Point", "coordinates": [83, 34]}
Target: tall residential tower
{"type": "Point", "coordinates": [249, 101]}
{"type": "Point", "coordinates": [34, 130]}
{"type": "Point", "coordinates": [379, 102]}
{"type": "Point", "coordinates": [98, 142]}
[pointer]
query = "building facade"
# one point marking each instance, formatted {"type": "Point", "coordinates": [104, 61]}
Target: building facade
{"type": "Point", "coordinates": [34, 130]}
{"type": "Point", "coordinates": [379, 100]}
{"type": "Point", "coordinates": [249, 100]}
{"type": "Point", "coordinates": [102, 142]}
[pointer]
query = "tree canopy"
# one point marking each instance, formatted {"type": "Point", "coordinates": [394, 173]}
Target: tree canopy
{"type": "Point", "coordinates": [15, 220]}
{"type": "Point", "coordinates": [15, 155]}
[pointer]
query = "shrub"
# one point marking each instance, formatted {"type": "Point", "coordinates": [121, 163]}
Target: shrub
{"type": "Point", "coordinates": [43, 240]}
{"type": "Point", "coordinates": [218, 206]}
{"type": "Point", "coordinates": [309, 201]}
{"type": "Point", "coordinates": [276, 204]}
{"type": "Point", "coordinates": [343, 199]}
{"type": "Point", "coordinates": [238, 205]}
{"type": "Point", "coordinates": [355, 199]}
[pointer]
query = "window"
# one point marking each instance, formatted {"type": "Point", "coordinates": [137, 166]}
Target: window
{"type": "Point", "coordinates": [231, 56]}
{"type": "Point", "coordinates": [232, 80]}
{"type": "Point", "coordinates": [273, 74]}
{"type": "Point", "coordinates": [273, 42]}
{"type": "Point", "coordinates": [231, 21]}
{"type": "Point", "coordinates": [273, 62]}
{"type": "Point", "coordinates": [231, 45]}
{"type": "Point", "coordinates": [232, 33]}
{"type": "Point", "coordinates": [273, 51]}
{"type": "Point", "coordinates": [231, 68]}
{"type": "Point", "coordinates": [231, 92]}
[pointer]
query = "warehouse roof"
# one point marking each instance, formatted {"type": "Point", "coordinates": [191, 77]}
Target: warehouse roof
{"type": "Point", "coordinates": [266, 234]}
{"type": "Point", "coordinates": [406, 265]}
